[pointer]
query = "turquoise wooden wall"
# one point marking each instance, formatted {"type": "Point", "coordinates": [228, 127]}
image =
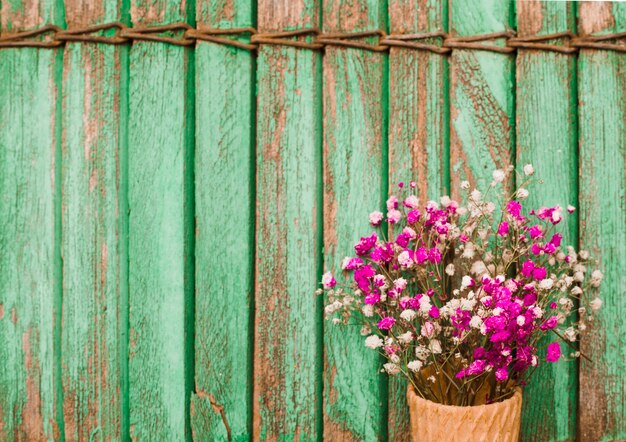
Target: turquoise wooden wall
{"type": "Point", "coordinates": [166, 211]}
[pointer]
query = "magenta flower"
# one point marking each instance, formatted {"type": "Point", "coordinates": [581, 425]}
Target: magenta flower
{"type": "Point", "coordinates": [549, 323]}
{"type": "Point", "coordinates": [386, 323]}
{"type": "Point", "coordinates": [503, 229]}
{"type": "Point", "coordinates": [554, 352]}
{"type": "Point", "coordinates": [535, 232]}
{"type": "Point", "coordinates": [413, 216]}
{"type": "Point", "coordinates": [434, 255]}
{"type": "Point", "coordinates": [556, 239]}
{"type": "Point", "coordinates": [421, 255]}
{"type": "Point", "coordinates": [352, 263]}
{"type": "Point", "coordinates": [539, 273]}
{"type": "Point", "coordinates": [502, 374]}
{"type": "Point", "coordinates": [434, 312]}
{"type": "Point", "coordinates": [366, 243]}
{"type": "Point", "coordinates": [514, 208]}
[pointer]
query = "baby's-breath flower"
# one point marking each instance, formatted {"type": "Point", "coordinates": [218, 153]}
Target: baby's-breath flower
{"type": "Point", "coordinates": [408, 315]}
{"type": "Point", "coordinates": [450, 269]}
{"type": "Point", "coordinates": [365, 330]}
{"type": "Point", "coordinates": [405, 338]}
{"type": "Point", "coordinates": [415, 366]}
{"type": "Point", "coordinates": [475, 195]}
{"type": "Point", "coordinates": [529, 170]}
{"type": "Point", "coordinates": [521, 194]}
{"type": "Point", "coordinates": [435, 346]}
{"type": "Point", "coordinates": [546, 284]}
{"type": "Point", "coordinates": [373, 342]}
{"type": "Point", "coordinates": [391, 368]}
{"type": "Point", "coordinates": [368, 310]}
{"type": "Point", "coordinates": [498, 175]}
{"type": "Point", "coordinates": [465, 185]}
{"type": "Point", "coordinates": [596, 304]}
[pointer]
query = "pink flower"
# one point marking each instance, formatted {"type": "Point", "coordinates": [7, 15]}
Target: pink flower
{"type": "Point", "coordinates": [554, 352]}
{"type": "Point", "coordinates": [393, 216]}
{"type": "Point", "coordinates": [351, 263]}
{"type": "Point", "coordinates": [376, 218]}
{"type": "Point", "coordinates": [365, 244]}
{"type": "Point", "coordinates": [549, 323]}
{"type": "Point", "coordinates": [413, 184]}
{"type": "Point", "coordinates": [463, 237]}
{"type": "Point", "coordinates": [392, 202]}
{"type": "Point", "coordinates": [412, 202]}
{"type": "Point", "coordinates": [328, 281]}
{"type": "Point", "coordinates": [386, 323]}
{"type": "Point", "coordinates": [503, 230]}
{"type": "Point", "coordinates": [428, 329]}
{"type": "Point", "coordinates": [404, 259]}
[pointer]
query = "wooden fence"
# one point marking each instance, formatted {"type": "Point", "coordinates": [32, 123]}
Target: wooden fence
{"type": "Point", "coordinates": [166, 211]}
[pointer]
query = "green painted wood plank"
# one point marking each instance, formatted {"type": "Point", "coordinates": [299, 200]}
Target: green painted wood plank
{"type": "Point", "coordinates": [482, 105]}
{"type": "Point", "coordinates": [92, 313]}
{"type": "Point", "coordinates": [29, 281]}
{"type": "Point", "coordinates": [160, 259]}
{"type": "Point", "coordinates": [602, 113]}
{"type": "Point", "coordinates": [418, 134]}
{"type": "Point", "coordinates": [225, 161]}
{"type": "Point", "coordinates": [546, 138]}
{"type": "Point", "coordinates": [287, 361]}
{"type": "Point", "coordinates": [355, 178]}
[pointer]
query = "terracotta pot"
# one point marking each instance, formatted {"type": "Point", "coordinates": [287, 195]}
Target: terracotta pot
{"type": "Point", "coordinates": [432, 422]}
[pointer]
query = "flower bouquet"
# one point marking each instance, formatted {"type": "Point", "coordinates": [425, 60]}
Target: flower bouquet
{"type": "Point", "coordinates": [458, 297]}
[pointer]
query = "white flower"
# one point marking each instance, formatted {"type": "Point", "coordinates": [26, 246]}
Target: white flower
{"type": "Point", "coordinates": [328, 281]}
{"type": "Point", "coordinates": [408, 315]}
{"type": "Point", "coordinates": [476, 322]}
{"type": "Point", "coordinates": [478, 268]}
{"type": "Point", "coordinates": [394, 358]}
{"type": "Point", "coordinates": [476, 195]}
{"type": "Point", "coordinates": [368, 310]}
{"type": "Point", "coordinates": [498, 175]}
{"type": "Point", "coordinates": [391, 368]}
{"type": "Point", "coordinates": [373, 342]}
{"type": "Point", "coordinates": [529, 170]}
{"type": "Point", "coordinates": [445, 200]}
{"type": "Point", "coordinates": [596, 278]}
{"type": "Point", "coordinates": [415, 366]}
{"type": "Point", "coordinates": [425, 304]}
{"type": "Point", "coordinates": [467, 304]}
{"type": "Point", "coordinates": [450, 269]}
{"type": "Point", "coordinates": [468, 251]}
{"type": "Point", "coordinates": [405, 338]}
{"type": "Point", "coordinates": [466, 281]}
{"type": "Point", "coordinates": [533, 361]}
{"type": "Point", "coordinates": [465, 185]}
{"type": "Point", "coordinates": [422, 352]}
{"type": "Point", "coordinates": [336, 321]}
{"type": "Point", "coordinates": [596, 304]}
{"type": "Point", "coordinates": [546, 284]}
{"type": "Point", "coordinates": [579, 276]}
{"type": "Point", "coordinates": [497, 311]}
{"type": "Point", "coordinates": [435, 346]}
{"type": "Point", "coordinates": [521, 320]}
{"type": "Point", "coordinates": [521, 193]}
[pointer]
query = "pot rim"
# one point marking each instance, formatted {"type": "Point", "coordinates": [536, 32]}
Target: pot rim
{"type": "Point", "coordinates": [412, 395]}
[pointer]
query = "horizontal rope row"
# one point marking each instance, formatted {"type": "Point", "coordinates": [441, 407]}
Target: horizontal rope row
{"type": "Point", "coordinates": [181, 34]}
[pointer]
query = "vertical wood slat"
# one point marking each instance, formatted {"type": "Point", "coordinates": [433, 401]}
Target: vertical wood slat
{"type": "Point", "coordinates": [546, 138]}
{"type": "Point", "coordinates": [160, 248]}
{"type": "Point", "coordinates": [287, 368]}
{"type": "Point", "coordinates": [92, 311]}
{"type": "Point", "coordinates": [418, 134]}
{"type": "Point", "coordinates": [354, 182]}
{"type": "Point", "coordinates": [225, 228]}
{"type": "Point", "coordinates": [481, 96]}
{"type": "Point", "coordinates": [29, 280]}
{"type": "Point", "coordinates": [602, 118]}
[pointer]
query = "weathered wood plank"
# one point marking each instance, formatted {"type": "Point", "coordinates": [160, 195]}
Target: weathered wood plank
{"type": "Point", "coordinates": [602, 113]}
{"type": "Point", "coordinates": [355, 157]}
{"type": "Point", "coordinates": [92, 313]}
{"type": "Point", "coordinates": [418, 134]}
{"type": "Point", "coordinates": [482, 105]}
{"type": "Point", "coordinates": [29, 280]}
{"type": "Point", "coordinates": [160, 249]}
{"type": "Point", "coordinates": [225, 162]}
{"type": "Point", "coordinates": [287, 326]}
{"type": "Point", "coordinates": [546, 138]}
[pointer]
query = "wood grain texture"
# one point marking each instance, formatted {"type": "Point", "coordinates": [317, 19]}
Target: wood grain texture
{"type": "Point", "coordinates": [92, 314]}
{"type": "Point", "coordinates": [602, 113]}
{"type": "Point", "coordinates": [28, 235]}
{"type": "Point", "coordinates": [481, 96]}
{"type": "Point", "coordinates": [418, 134]}
{"type": "Point", "coordinates": [159, 245]}
{"type": "Point", "coordinates": [225, 181]}
{"type": "Point", "coordinates": [546, 138]}
{"type": "Point", "coordinates": [354, 182]}
{"type": "Point", "coordinates": [286, 370]}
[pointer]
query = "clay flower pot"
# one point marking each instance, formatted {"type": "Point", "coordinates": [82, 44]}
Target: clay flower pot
{"type": "Point", "coordinates": [432, 422]}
